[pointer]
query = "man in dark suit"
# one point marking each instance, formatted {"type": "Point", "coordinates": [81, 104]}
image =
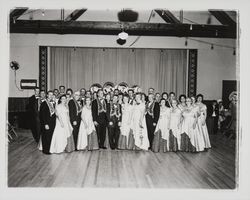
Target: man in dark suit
{"type": "Point", "coordinates": [99, 113]}
{"type": "Point", "coordinates": [213, 117]}
{"type": "Point", "coordinates": [48, 121]}
{"type": "Point", "coordinates": [33, 109]}
{"type": "Point", "coordinates": [75, 115]}
{"type": "Point", "coordinates": [152, 117]}
{"type": "Point", "coordinates": [114, 117]}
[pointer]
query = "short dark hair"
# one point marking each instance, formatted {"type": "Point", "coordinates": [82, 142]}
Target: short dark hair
{"type": "Point", "coordinates": [126, 95]}
{"type": "Point", "coordinates": [131, 90]}
{"type": "Point", "coordinates": [171, 93]}
{"type": "Point", "coordinates": [50, 91]}
{"type": "Point", "coordinates": [182, 95]}
{"type": "Point", "coordinates": [62, 86]}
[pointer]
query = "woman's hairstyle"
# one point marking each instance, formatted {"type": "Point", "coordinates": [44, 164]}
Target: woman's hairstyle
{"type": "Point", "coordinates": [131, 90]}
{"type": "Point", "coordinates": [69, 89]}
{"type": "Point", "coordinates": [60, 98]}
{"type": "Point", "coordinates": [171, 93]}
{"type": "Point", "coordinates": [162, 99]}
{"type": "Point", "coordinates": [86, 99]}
{"type": "Point", "coordinates": [182, 95]}
{"type": "Point", "coordinates": [164, 93]}
{"type": "Point", "coordinates": [199, 95]}
{"type": "Point", "coordinates": [126, 95]}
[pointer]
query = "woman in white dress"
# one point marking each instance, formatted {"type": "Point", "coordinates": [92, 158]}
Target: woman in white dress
{"type": "Point", "coordinates": [87, 138]}
{"type": "Point", "coordinates": [202, 109]}
{"type": "Point", "coordinates": [139, 127]}
{"type": "Point", "coordinates": [63, 129]}
{"type": "Point", "coordinates": [175, 127]}
{"type": "Point", "coordinates": [191, 140]}
{"type": "Point", "coordinates": [125, 123]}
{"type": "Point", "coordinates": [161, 135]}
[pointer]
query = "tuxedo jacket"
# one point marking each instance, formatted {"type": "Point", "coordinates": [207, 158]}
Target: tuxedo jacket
{"type": "Point", "coordinates": [102, 118]}
{"type": "Point", "coordinates": [45, 117]}
{"type": "Point", "coordinates": [114, 118]}
{"type": "Point", "coordinates": [73, 115]}
{"type": "Point", "coordinates": [33, 106]}
{"type": "Point", "coordinates": [156, 113]}
{"type": "Point", "coordinates": [210, 110]}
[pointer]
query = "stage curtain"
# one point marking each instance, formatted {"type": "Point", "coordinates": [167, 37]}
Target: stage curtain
{"type": "Point", "coordinates": [164, 70]}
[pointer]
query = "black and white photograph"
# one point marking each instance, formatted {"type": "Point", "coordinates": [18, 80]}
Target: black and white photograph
{"type": "Point", "coordinates": [123, 98]}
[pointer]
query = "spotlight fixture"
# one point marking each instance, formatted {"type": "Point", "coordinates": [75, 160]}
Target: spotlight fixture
{"type": "Point", "coordinates": [43, 13]}
{"type": "Point", "coordinates": [234, 52]}
{"type": "Point", "coordinates": [120, 41]}
{"type": "Point", "coordinates": [123, 35]}
{"type": "Point", "coordinates": [212, 46]}
{"type": "Point", "coordinates": [191, 27]}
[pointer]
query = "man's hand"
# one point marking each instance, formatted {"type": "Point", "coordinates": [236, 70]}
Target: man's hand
{"type": "Point", "coordinates": [95, 123]}
{"type": "Point", "coordinates": [154, 124]}
{"type": "Point", "coordinates": [46, 127]}
{"type": "Point", "coordinates": [119, 123]}
{"type": "Point", "coordinates": [110, 123]}
{"type": "Point", "coordinates": [74, 123]}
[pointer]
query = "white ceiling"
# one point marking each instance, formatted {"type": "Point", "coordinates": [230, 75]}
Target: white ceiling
{"type": "Point", "coordinates": [199, 17]}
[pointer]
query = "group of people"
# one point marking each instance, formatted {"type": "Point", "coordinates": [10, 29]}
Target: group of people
{"type": "Point", "coordinates": [67, 121]}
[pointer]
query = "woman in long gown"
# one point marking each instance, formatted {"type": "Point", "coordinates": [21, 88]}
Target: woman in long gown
{"type": "Point", "coordinates": [140, 133]}
{"type": "Point", "coordinates": [175, 127]}
{"type": "Point", "coordinates": [202, 109]}
{"type": "Point", "coordinates": [190, 136]}
{"type": "Point", "coordinates": [87, 138]}
{"type": "Point", "coordinates": [161, 135]}
{"type": "Point", "coordinates": [125, 124]}
{"type": "Point", "coordinates": [63, 129]}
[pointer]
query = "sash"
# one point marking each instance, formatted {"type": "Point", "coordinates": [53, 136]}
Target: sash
{"type": "Point", "coordinates": [51, 107]}
{"type": "Point", "coordinates": [114, 110]}
{"type": "Point", "coordinates": [102, 107]}
{"type": "Point", "coordinates": [150, 109]}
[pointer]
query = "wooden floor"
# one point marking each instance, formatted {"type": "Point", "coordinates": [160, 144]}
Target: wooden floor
{"type": "Point", "coordinates": [28, 167]}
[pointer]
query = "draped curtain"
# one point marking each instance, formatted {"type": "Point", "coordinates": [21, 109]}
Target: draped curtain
{"type": "Point", "coordinates": [164, 70]}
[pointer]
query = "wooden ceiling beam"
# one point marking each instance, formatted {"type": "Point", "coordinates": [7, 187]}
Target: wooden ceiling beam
{"type": "Point", "coordinates": [223, 17]}
{"type": "Point", "coordinates": [167, 16]}
{"type": "Point", "coordinates": [113, 28]}
{"type": "Point", "coordinates": [16, 13]}
{"type": "Point", "coordinates": [75, 15]}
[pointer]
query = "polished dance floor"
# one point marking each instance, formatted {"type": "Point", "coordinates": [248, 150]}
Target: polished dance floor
{"type": "Point", "coordinates": [214, 169]}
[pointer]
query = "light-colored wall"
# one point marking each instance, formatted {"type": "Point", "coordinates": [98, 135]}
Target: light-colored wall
{"type": "Point", "coordinates": [213, 65]}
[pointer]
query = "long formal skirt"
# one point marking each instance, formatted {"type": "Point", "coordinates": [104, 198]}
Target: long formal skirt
{"type": "Point", "coordinates": [173, 142]}
{"type": "Point", "coordinates": [131, 141]}
{"type": "Point", "coordinates": [93, 141]}
{"type": "Point", "coordinates": [70, 144]}
{"type": "Point", "coordinates": [204, 132]}
{"type": "Point", "coordinates": [159, 144]}
{"type": "Point", "coordinates": [186, 145]}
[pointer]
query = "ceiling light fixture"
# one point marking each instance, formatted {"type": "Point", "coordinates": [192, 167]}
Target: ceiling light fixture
{"type": "Point", "coordinates": [123, 35]}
